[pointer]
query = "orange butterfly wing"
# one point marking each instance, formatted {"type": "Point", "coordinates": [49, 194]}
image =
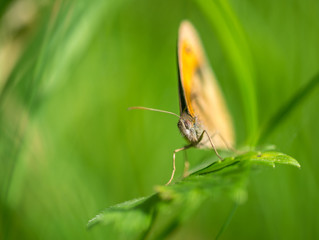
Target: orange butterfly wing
{"type": "Point", "coordinates": [200, 94]}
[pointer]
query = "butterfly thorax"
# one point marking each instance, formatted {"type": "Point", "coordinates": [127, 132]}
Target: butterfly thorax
{"type": "Point", "coordinates": [190, 128]}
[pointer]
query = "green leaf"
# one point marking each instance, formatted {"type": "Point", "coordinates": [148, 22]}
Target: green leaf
{"type": "Point", "coordinates": [228, 177]}
{"type": "Point", "coordinates": [132, 218]}
{"type": "Point", "coordinates": [269, 158]}
{"type": "Point", "coordinates": [273, 158]}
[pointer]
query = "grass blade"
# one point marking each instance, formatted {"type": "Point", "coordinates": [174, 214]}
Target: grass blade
{"type": "Point", "coordinates": [286, 109]}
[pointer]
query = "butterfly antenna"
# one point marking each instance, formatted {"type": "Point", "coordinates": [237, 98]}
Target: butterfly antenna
{"type": "Point", "coordinates": [155, 110]}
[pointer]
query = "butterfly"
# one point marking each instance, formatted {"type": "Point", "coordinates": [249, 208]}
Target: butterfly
{"type": "Point", "coordinates": [204, 118]}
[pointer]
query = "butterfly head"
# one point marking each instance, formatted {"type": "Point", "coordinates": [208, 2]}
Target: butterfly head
{"type": "Point", "coordinates": [189, 127]}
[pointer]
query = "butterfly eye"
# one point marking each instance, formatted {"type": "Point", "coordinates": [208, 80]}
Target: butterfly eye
{"type": "Point", "coordinates": [187, 124]}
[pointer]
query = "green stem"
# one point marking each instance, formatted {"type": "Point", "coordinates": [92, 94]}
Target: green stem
{"type": "Point", "coordinates": [226, 223]}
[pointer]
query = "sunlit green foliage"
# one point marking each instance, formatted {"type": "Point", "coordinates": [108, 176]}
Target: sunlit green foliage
{"type": "Point", "coordinates": [136, 218]}
{"type": "Point", "coordinates": [69, 148]}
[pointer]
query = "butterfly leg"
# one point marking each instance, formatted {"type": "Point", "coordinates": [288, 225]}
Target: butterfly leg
{"type": "Point", "coordinates": [217, 133]}
{"type": "Point", "coordinates": [174, 168]}
{"type": "Point", "coordinates": [211, 142]}
{"type": "Point", "coordinates": [229, 147]}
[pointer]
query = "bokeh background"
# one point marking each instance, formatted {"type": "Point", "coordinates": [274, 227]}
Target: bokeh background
{"type": "Point", "coordinates": [69, 148]}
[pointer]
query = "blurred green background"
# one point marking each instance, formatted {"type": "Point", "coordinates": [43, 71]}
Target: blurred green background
{"type": "Point", "coordinates": [69, 148]}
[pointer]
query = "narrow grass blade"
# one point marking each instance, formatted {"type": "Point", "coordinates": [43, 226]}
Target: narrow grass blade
{"type": "Point", "coordinates": [286, 109]}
